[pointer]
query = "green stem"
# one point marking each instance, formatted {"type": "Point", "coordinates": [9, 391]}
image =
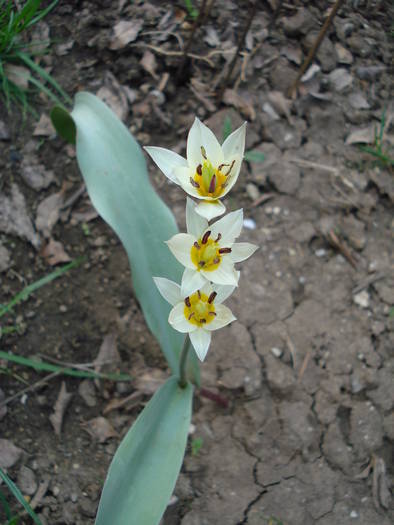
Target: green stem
{"type": "Point", "coordinates": [183, 361]}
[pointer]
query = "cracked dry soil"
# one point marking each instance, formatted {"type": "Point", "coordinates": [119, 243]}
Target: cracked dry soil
{"type": "Point", "coordinates": [306, 438]}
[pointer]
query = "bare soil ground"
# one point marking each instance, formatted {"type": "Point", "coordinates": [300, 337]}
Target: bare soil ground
{"type": "Point", "coordinates": [306, 436]}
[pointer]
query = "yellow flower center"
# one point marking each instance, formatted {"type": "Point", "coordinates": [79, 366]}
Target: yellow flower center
{"type": "Point", "coordinates": [206, 254]}
{"type": "Point", "coordinates": [199, 308]}
{"type": "Point", "coordinates": [210, 181]}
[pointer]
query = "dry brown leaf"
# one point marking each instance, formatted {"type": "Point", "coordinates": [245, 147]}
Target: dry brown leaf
{"type": "Point", "coordinates": [148, 62]}
{"type": "Point", "coordinates": [35, 174]}
{"type": "Point", "coordinates": [48, 212]}
{"type": "Point", "coordinates": [14, 218]}
{"type": "Point", "coordinates": [19, 75]}
{"type": "Point", "coordinates": [54, 253]}
{"type": "Point", "coordinates": [108, 356]}
{"type": "Point", "coordinates": [149, 381]}
{"type": "Point", "coordinates": [380, 487]}
{"type": "Point", "coordinates": [100, 429]}
{"type": "Point", "coordinates": [281, 104]}
{"type": "Point", "coordinates": [44, 127]}
{"type": "Point", "coordinates": [232, 98]}
{"type": "Point", "coordinates": [362, 136]}
{"type": "Point", "coordinates": [113, 94]}
{"type": "Point", "coordinates": [62, 401]}
{"type": "Point", "coordinates": [124, 32]}
{"type": "Point", "coordinates": [128, 402]}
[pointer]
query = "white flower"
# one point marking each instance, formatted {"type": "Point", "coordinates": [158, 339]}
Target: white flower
{"type": "Point", "coordinates": [208, 252]}
{"type": "Point", "coordinates": [197, 314]}
{"type": "Point", "coordinates": [210, 170]}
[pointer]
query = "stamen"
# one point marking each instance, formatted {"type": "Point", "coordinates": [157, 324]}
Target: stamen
{"type": "Point", "coordinates": [212, 185]}
{"type": "Point", "coordinates": [194, 183]}
{"type": "Point", "coordinates": [187, 302]}
{"type": "Point", "coordinates": [190, 316]}
{"type": "Point", "coordinates": [199, 294]}
{"type": "Point", "coordinates": [204, 153]}
{"type": "Point", "coordinates": [216, 260]}
{"type": "Point", "coordinates": [205, 238]}
{"type": "Point", "coordinates": [201, 263]}
{"type": "Point", "coordinates": [211, 298]}
{"type": "Point", "coordinates": [231, 167]}
{"type": "Point", "coordinates": [218, 237]}
{"type": "Point", "coordinates": [224, 185]}
{"type": "Point", "coordinates": [196, 245]}
{"type": "Point", "coordinates": [212, 313]}
{"type": "Point", "coordinates": [225, 250]}
{"type": "Point", "coordinates": [203, 320]}
{"type": "Point", "coordinates": [221, 166]}
{"type": "Point", "coordinates": [199, 169]}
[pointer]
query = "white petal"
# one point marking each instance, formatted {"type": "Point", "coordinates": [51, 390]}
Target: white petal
{"type": "Point", "coordinates": [207, 288]}
{"type": "Point", "coordinates": [224, 274]}
{"type": "Point", "coordinates": [178, 320]}
{"type": "Point", "coordinates": [224, 316]}
{"type": "Point", "coordinates": [166, 160]}
{"type": "Point", "coordinates": [235, 144]}
{"type": "Point", "coordinates": [169, 290]}
{"type": "Point", "coordinates": [183, 175]}
{"type": "Point", "coordinates": [191, 282]}
{"type": "Point", "coordinates": [232, 178]}
{"type": "Point", "coordinates": [223, 292]}
{"type": "Point", "coordinates": [195, 224]}
{"type": "Point", "coordinates": [210, 209]}
{"type": "Point", "coordinates": [200, 340]}
{"type": "Point", "coordinates": [180, 246]}
{"type": "Point", "coordinates": [230, 226]}
{"type": "Point", "coordinates": [242, 250]}
{"type": "Point", "coordinates": [201, 135]}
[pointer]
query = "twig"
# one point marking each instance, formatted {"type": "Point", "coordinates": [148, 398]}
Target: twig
{"type": "Point", "coordinates": [162, 51]}
{"type": "Point", "coordinates": [304, 365]}
{"type": "Point", "coordinates": [341, 247]}
{"type": "Point", "coordinates": [261, 199]}
{"type": "Point", "coordinates": [30, 388]}
{"type": "Point", "coordinates": [315, 47]}
{"type": "Point", "coordinates": [220, 400]}
{"type": "Point", "coordinates": [309, 164]}
{"type": "Point", "coordinates": [368, 281]}
{"type": "Point", "coordinates": [241, 40]}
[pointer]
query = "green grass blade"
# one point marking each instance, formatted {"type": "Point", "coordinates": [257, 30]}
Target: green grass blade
{"type": "Point", "coordinates": [227, 127]}
{"type": "Point", "coordinates": [26, 292]}
{"type": "Point", "coordinates": [43, 366]}
{"type": "Point", "coordinates": [19, 496]}
{"type": "Point", "coordinates": [254, 156]}
{"type": "Point", "coordinates": [42, 13]}
{"type": "Point", "coordinates": [6, 507]}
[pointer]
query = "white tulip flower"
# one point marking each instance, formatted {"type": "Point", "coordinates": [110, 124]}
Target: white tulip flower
{"type": "Point", "coordinates": [209, 172]}
{"type": "Point", "coordinates": [209, 252]}
{"type": "Point", "coordinates": [197, 314]}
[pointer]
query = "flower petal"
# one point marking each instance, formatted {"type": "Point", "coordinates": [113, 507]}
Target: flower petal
{"type": "Point", "coordinates": [194, 222]}
{"type": "Point", "coordinates": [200, 340]}
{"type": "Point", "coordinates": [232, 178]}
{"type": "Point", "coordinates": [166, 160]}
{"type": "Point", "coordinates": [212, 147]}
{"type": "Point", "coordinates": [191, 282]}
{"type": "Point", "coordinates": [178, 320]}
{"type": "Point", "coordinates": [169, 290]}
{"type": "Point", "coordinates": [223, 292]}
{"type": "Point", "coordinates": [242, 250]}
{"type": "Point", "coordinates": [180, 246]}
{"type": "Point", "coordinates": [210, 209]}
{"type": "Point", "coordinates": [235, 143]}
{"type": "Point", "coordinates": [229, 227]}
{"type": "Point", "coordinates": [193, 148]}
{"type": "Point", "coordinates": [182, 175]}
{"type": "Point", "coordinates": [224, 274]}
{"type": "Point", "coordinates": [201, 135]}
{"type": "Point", "coordinates": [224, 316]}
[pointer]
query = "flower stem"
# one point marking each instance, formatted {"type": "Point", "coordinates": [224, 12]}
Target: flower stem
{"type": "Point", "coordinates": [183, 361]}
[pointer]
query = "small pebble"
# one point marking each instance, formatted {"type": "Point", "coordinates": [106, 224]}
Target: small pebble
{"type": "Point", "coordinates": [354, 514]}
{"type": "Point", "coordinates": [362, 299]}
{"type": "Point", "coordinates": [277, 352]}
{"type": "Point", "coordinates": [320, 253]}
{"type": "Point", "coordinates": [249, 224]}
{"type": "Point", "coordinates": [276, 210]}
{"type": "Point", "coordinates": [63, 308]}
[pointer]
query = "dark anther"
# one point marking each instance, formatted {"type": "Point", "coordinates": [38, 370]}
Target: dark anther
{"type": "Point", "coordinates": [221, 166]}
{"type": "Point", "coordinates": [187, 302]}
{"type": "Point", "coordinates": [205, 238]}
{"type": "Point", "coordinates": [218, 237]}
{"type": "Point", "coordinates": [230, 168]}
{"type": "Point", "coordinates": [203, 320]}
{"type": "Point", "coordinates": [194, 183]}
{"type": "Point", "coordinates": [212, 184]}
{"type": "Point", "coordinates": [199, 169]}
{"type": "Point", "coordinates": [201, 263]}
{"type": "Point", "coordinates": [203, 152]}
{"type": "Point", "coordinates": [196, 245]}
{"type": "Point", "coordinates": [216, 260]}
{"type": "Point", "coordinates": [212, 313]}
{"type": "Point", "coordinates": [211, 298]}
{"type": "Point", "coordinates": [190, 316]}
{"type": "Point", "coordinates": [199, 294]}
{"type": "Point", "coordinates": [225, 250]}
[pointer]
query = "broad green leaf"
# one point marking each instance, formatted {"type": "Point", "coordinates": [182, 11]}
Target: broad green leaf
{"type": "Point", "coordinates": [144, 470]}
{"type": "Point", "coordinates": [114, 169]}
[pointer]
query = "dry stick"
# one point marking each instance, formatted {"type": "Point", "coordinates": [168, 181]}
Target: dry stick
{"type": "Point", "coordinates": [196, 25]}
{"type": "Point", "coordinates": [315, 47]}
{"type": "Point", "coordinates": [238, 50]}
